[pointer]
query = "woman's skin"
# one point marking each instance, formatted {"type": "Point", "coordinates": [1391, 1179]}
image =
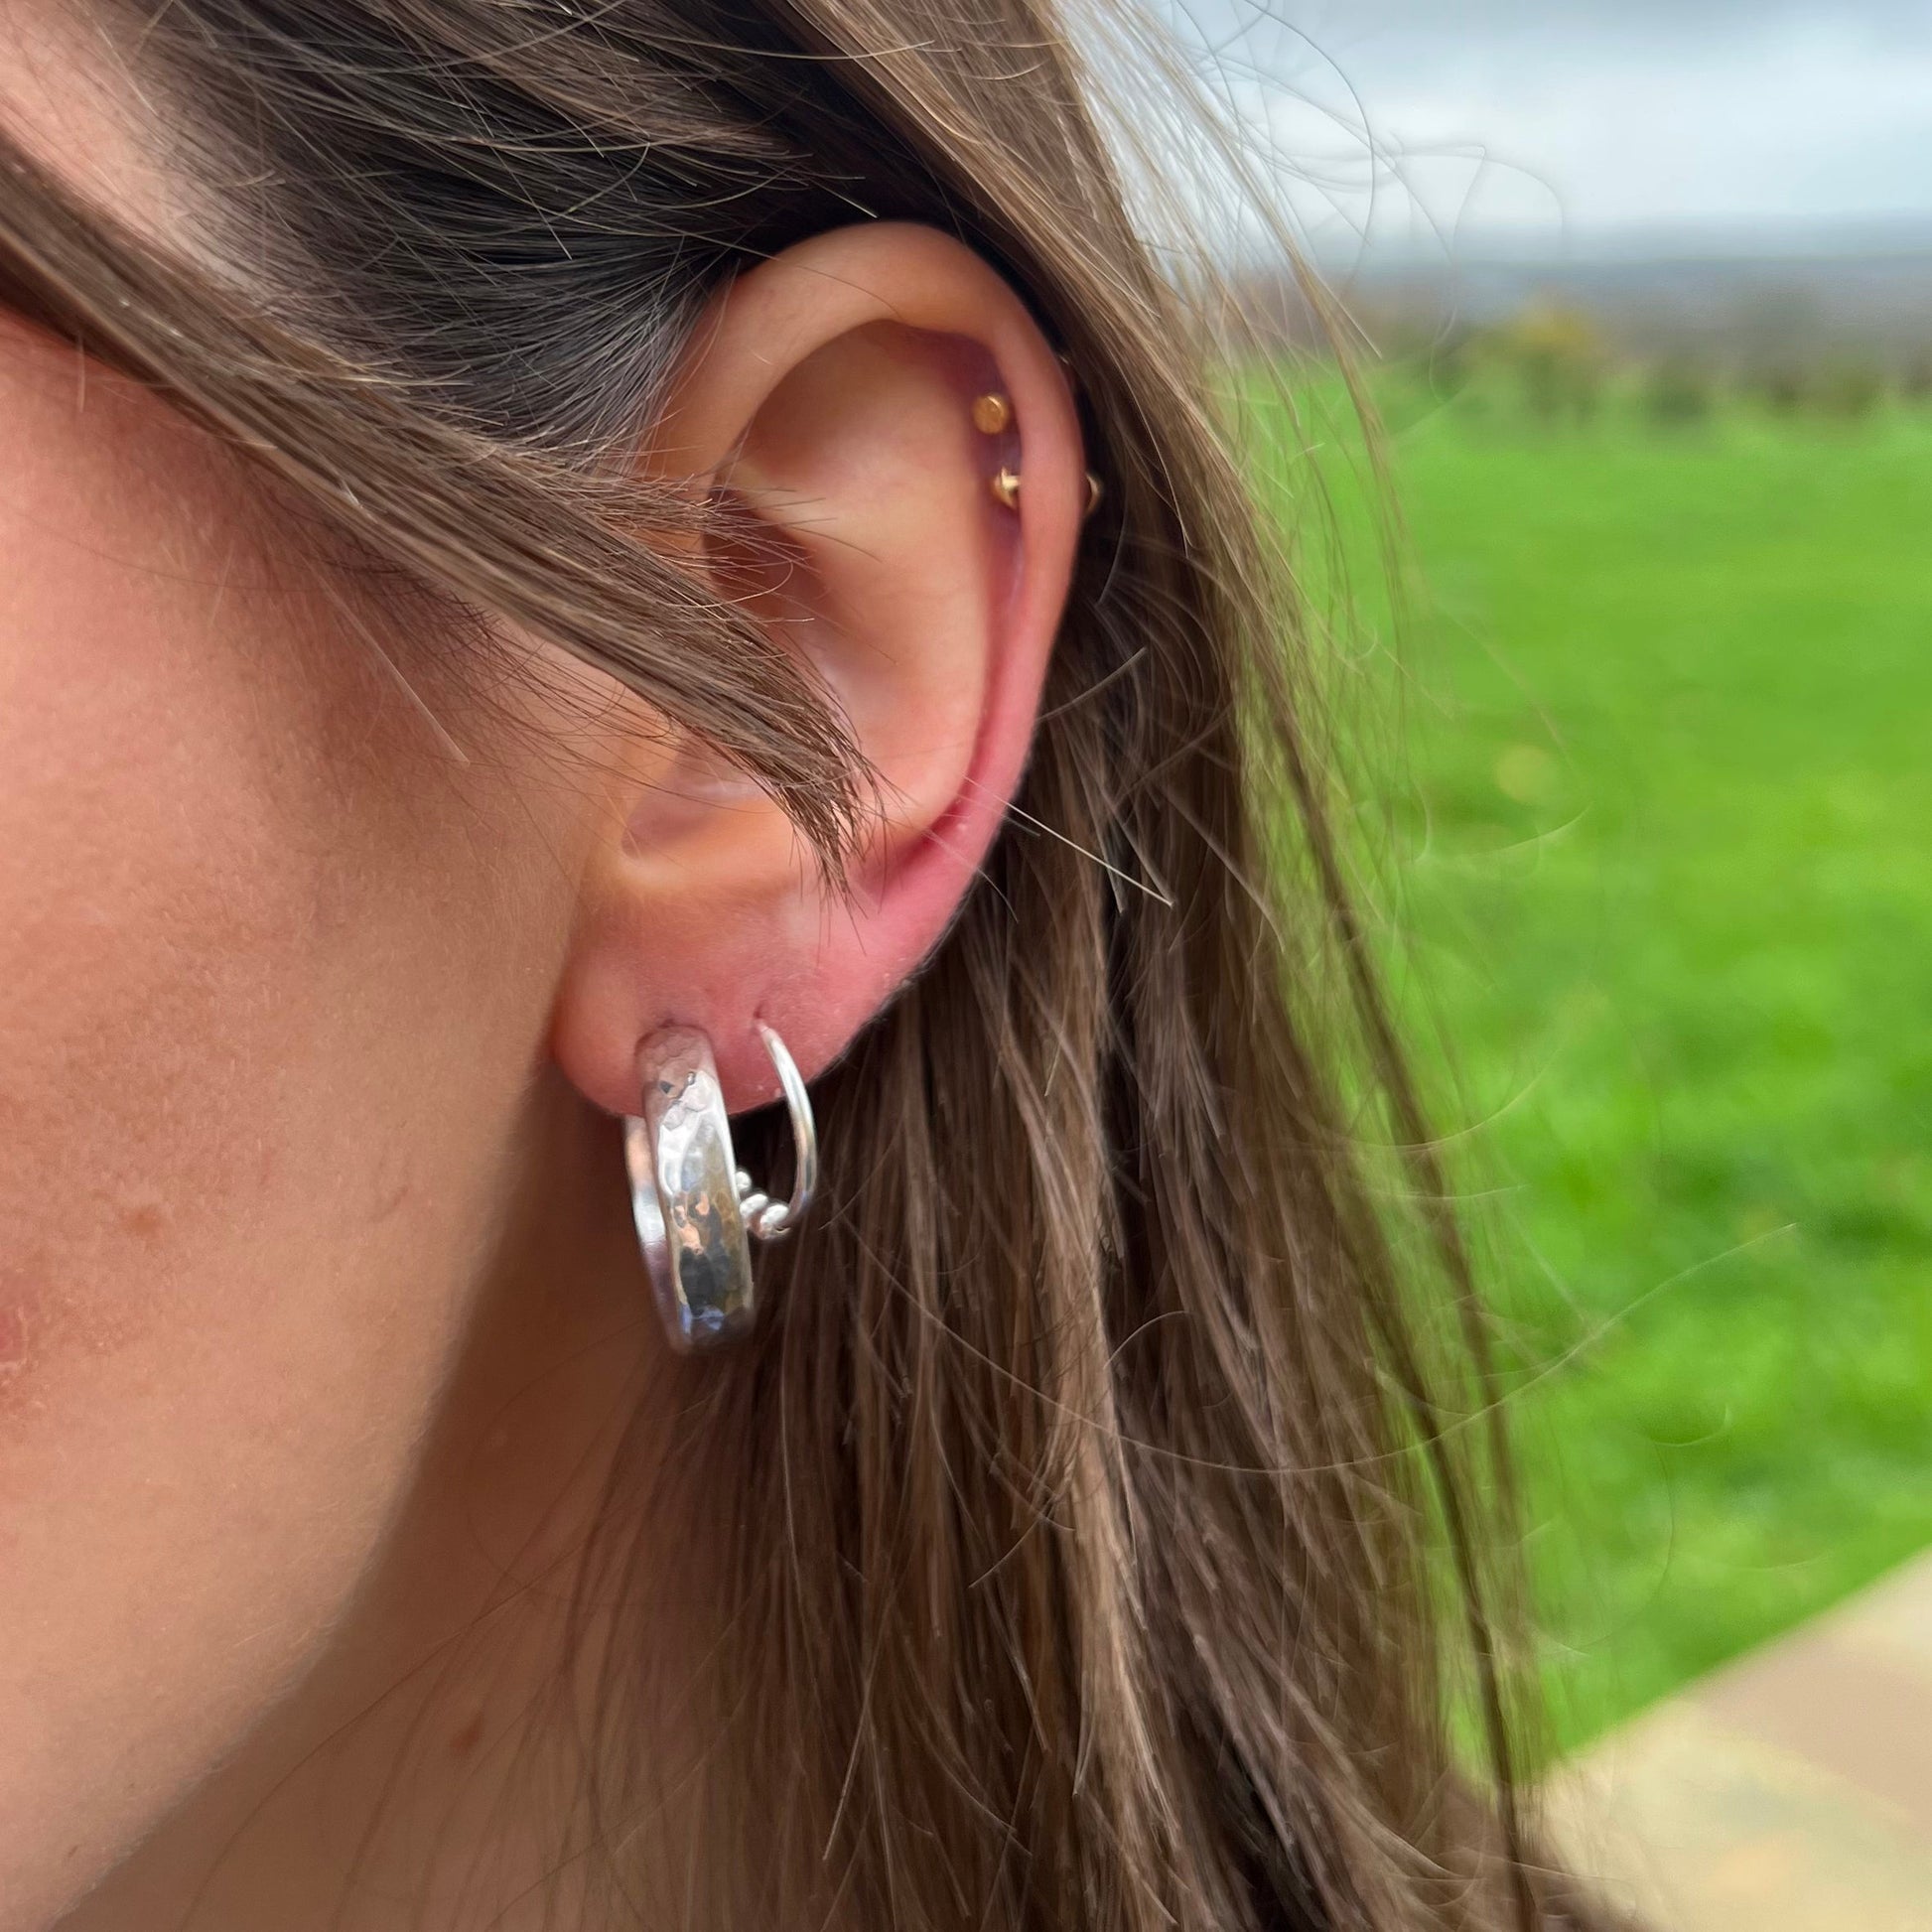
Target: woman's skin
{"type": "Point", "coordinates": [321, 975]}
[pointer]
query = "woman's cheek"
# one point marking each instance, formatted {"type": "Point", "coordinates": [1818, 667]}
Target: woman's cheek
{"type": "Point", "coordinates": [249, 1135]}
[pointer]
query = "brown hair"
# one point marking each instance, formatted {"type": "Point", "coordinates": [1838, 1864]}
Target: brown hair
{"type": "Point", "coordinates": [1108, 1551]}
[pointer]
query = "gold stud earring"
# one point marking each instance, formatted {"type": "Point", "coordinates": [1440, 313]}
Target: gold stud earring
{"type": "Point", "coordinates": [990, 413]}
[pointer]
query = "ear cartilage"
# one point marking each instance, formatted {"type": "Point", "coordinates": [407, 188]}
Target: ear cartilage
{"type": "Point", "coordinates": [990, 413]}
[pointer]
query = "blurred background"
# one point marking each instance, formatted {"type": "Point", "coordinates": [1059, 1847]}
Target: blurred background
{"type": "Point", "coordinates": [1643, 294]}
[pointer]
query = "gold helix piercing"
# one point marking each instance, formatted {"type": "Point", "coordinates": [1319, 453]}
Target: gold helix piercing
{"type": "Point", "coordinates": [1005, 484]}
{"type": "Point", "coordinates": [990, 413]}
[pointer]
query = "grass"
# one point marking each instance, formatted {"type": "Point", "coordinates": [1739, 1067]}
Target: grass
{"type": "Point", "coordinates": [1665, 879]}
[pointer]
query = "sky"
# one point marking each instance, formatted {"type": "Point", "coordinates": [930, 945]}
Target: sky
{"type": "Point", "coordinates": [1580, 117]}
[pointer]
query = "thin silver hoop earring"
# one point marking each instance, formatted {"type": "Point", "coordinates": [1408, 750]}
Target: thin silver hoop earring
{"type": "Point", "coordinates": [697, 1211]}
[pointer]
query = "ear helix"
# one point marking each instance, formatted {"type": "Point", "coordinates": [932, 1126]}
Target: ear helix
{"type": "Point", "coordinates": [992, 416]}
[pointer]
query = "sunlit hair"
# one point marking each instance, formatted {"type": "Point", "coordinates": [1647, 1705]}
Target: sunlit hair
{"type": "Point", "coordinates": [1105, 1537]}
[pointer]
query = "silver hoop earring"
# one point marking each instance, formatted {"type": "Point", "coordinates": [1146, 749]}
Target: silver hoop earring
{"type": "Point", "coordinates": [697, 1211]}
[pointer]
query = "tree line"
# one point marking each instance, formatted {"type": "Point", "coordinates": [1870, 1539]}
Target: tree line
{"type": "Point", "coordinates": [1555, 365]}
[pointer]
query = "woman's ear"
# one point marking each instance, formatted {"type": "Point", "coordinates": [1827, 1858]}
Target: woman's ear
{"type": "Point", "coordinates": [834, 397]}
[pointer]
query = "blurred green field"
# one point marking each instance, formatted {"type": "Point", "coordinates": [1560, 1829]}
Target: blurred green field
{"type": "Point", "coordinates": [1665, 878]}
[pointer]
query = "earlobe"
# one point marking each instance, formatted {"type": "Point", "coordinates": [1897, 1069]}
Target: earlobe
{"type": "Point", "coordinates": [835, 396]}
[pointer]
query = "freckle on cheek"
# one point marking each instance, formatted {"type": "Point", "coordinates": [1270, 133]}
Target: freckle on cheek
{"type": "Point", "coordinates": [144, 1217]}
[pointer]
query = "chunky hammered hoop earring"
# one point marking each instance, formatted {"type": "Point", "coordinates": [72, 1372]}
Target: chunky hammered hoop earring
{"type": "Point", "coordinates": [697, 1212]}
